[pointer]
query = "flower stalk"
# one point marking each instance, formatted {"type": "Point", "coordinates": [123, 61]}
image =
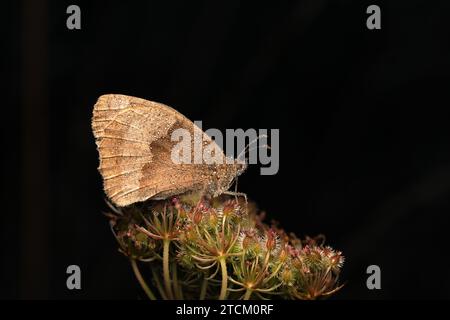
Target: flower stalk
{"type": "Point", "coordinates": [141, 280]}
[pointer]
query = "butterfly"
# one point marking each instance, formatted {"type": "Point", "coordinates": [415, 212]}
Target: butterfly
{"type": "Point", "coordinates": [134, 141]}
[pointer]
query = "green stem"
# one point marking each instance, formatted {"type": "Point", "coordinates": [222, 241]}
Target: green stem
{"type": "Point", "coordinates": [224, 287]}
{"type": "Point", "coordinates": [204, 286]}
{"type": "Point", "coordinates": [176, 286]}
{"type": "Point", "coordinates": [158, 284]}
{"type": "Point", "coordinates": [166, 271]}
{"type": "Point", "coordinates": [141, 280]}
{"type": "Point", "coordinates": [248, 294]}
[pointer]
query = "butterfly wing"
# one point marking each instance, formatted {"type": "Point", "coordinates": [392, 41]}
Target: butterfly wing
{"type": "Point", "coordinates": [133, 137]}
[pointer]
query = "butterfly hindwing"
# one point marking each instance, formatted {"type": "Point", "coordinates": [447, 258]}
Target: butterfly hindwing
{"type": "Point", "coordinates": [133, 138]}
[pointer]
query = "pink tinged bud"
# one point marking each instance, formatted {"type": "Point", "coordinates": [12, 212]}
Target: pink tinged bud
{"type": "Point", "coordinates": [307, 250]}
{"type": "Point", "coordinates": [197, 217]}
{"type": "Point", "coordinates": [337, 260]}
{"type": "Point", "coordinates": [327, 252]}
{"type": "Point", "coordinates": [271, 240]}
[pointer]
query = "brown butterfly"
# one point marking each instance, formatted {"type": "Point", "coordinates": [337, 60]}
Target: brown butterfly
{"type": "Point", "coordinates": [133, 138]}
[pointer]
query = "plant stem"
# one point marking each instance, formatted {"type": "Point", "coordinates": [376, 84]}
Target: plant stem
{"type": "Point", "coordinates": [158, 284]}
{"type": "Point", "coordinates": [248, 294]}
{"type": "Point", "coordinates": [166, 271]}
{"type": "Point", "coordinates": [141, 280]}
{"type": "Point", "coordinates": [204, 286]}
{"type": "Point", "coordinates": [224, 287]}
{"type": "Point", "coordinates": [176, 286]}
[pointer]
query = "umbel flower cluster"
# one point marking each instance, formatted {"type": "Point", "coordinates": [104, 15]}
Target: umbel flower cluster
{"type": "Point", "coordinates": [192, 248]}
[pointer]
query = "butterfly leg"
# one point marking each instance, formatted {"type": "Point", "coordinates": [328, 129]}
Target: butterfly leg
{"type": "Point", "coordinates": [236, 195]}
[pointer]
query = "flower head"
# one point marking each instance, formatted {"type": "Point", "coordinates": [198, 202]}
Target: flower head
{"type": "Point", "coordinates": [221, 248]}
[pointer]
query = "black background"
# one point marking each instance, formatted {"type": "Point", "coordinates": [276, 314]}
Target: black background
{"type": "Point", "coordinates": [363, 118]}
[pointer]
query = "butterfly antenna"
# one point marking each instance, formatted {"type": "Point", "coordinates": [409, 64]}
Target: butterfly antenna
{"type": "Point", "coordinates": [259, 147]}
{"type": "Point", "coordinates": [247, 147]}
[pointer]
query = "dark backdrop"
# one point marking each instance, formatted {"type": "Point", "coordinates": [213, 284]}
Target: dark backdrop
{"type": "Point", "coordinates": [363, 118]}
